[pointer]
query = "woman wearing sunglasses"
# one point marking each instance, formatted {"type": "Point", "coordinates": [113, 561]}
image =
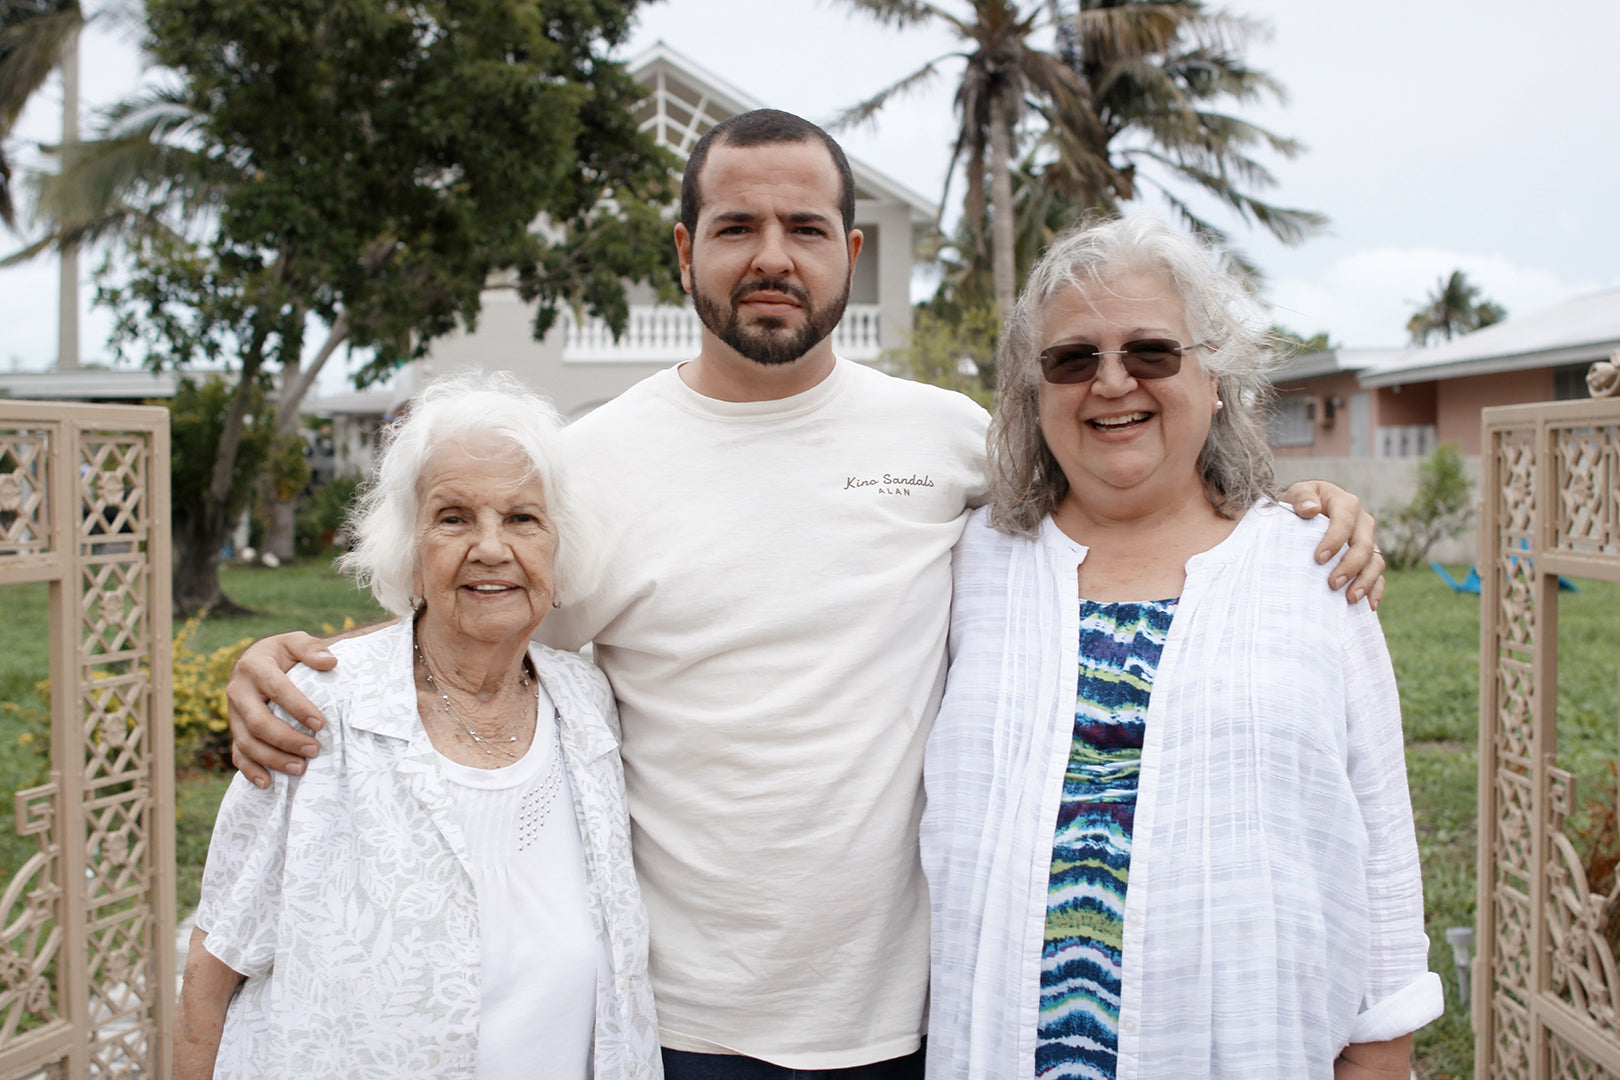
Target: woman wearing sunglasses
{"type": "Point", "coordinates": [1167, 831]}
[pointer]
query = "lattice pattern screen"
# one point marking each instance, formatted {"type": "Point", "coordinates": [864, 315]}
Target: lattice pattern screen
{"type": "Point", "coordinates": [24, 480]}
{"type": "Point", "coordinates": [1547, 993]}
{"type": "Point", "coordinates": [87, 922]}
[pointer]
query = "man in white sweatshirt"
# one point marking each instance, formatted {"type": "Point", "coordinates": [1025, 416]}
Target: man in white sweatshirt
{"type": "Point", "coordinates": [772, 615]}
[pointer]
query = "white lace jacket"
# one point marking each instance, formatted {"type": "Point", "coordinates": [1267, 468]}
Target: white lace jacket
{"type": "Point", "coordinates": [1275, 908]}
{"type": "Point", "coordinates": [344, 895]}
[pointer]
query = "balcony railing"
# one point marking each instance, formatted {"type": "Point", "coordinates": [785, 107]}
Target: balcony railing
{"type": "Point", "coordinates": [1412, 440]}
{"type": "Point", "coordinates": [660, 334]}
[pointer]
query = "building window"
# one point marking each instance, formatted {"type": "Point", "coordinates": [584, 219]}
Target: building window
{"type": "Point", "coordinates": [1569, 383]}
{"type": "Point", "coordinates": [1293, 421]}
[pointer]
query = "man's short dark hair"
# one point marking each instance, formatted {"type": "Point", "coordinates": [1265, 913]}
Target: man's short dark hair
{"type": "Point", "coordinates": [762, 127]}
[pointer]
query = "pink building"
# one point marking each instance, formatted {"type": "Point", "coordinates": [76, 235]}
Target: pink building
{"type": "Point", "coordinates": [1392, 403]}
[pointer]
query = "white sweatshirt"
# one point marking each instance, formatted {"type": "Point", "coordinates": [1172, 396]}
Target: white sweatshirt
{"type": "Point", "coordinates": [773, 616]}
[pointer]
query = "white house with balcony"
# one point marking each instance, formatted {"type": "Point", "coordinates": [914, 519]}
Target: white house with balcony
{"type": "Point", "coordinates": [580, 365]}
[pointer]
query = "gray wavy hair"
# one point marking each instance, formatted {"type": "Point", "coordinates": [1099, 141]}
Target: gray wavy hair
{"type": "Point", "coordinates": [1026, 483]}
{"type": "Point", "coordinates": [383, 522]}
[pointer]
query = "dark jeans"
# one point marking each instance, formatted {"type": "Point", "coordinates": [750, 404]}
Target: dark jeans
{"type": "Point", "coordinates": [680, 1065]}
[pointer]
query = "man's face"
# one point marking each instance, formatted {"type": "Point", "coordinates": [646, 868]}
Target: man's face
{"type": "Point", "coordinates": [769, 265]}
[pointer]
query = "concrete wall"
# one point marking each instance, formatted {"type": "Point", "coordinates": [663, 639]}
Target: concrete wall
{"type": "Point", "coordinates": [1332, 437]}
{"type": "Point", "coordinates": [888, 254]}
{"type": "Point", "coordinates": [1460, 401]}
{"type": "Point", "coordinates": [505, 341]}
{"type": "Point", "coordinates": [1382, 483]}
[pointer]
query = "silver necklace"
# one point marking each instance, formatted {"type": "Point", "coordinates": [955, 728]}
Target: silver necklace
{"type": "Point", "coordinates": [490, 744]}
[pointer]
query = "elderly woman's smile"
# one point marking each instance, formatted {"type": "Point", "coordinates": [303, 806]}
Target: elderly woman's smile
{"type": "Point", "coordinates": [485, 543]}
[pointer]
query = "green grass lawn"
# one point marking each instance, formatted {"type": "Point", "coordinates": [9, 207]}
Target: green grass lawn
{"type": "Point", "coordinates": [1433, 636]}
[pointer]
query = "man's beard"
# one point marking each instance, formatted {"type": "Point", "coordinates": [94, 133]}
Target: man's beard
{"type": "Point", "coordinates": [768, 340]}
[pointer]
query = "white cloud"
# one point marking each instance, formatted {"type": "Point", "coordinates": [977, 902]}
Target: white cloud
{"type": "Point", "coordinates": [1365, 298]}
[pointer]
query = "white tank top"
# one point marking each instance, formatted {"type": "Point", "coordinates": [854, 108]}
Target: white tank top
{"type": "Point", "coordinates": [541, 955]}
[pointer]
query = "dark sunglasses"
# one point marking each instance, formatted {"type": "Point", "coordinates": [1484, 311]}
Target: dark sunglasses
{"type": "Point", "coordinates": [1150, 358]}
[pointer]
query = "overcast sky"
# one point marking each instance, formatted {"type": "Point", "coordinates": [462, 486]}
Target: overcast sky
{"type": "Point", "coordinates": [1440, 134]}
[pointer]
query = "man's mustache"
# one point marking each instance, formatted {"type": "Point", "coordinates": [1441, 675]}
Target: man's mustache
{"type": "Point", "coordinates": [777, 285]}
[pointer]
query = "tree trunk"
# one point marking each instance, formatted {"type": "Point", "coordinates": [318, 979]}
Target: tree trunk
{"type": "Point", "coordinates": [200, 532]}
{"type": "Point", "coordinates": [280, 530]}
{"type": "Point", "coordinates": [281, 536]}
{"type": "Point", "coordinates": [1002, 234]}
{"type": "Point", "coordinates": [197, 540]}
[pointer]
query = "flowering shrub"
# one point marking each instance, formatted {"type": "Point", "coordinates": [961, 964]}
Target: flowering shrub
{"type": "Point", "coordinates": [200, 727]}
{"type": "Point", "coordinates": [201, 731]}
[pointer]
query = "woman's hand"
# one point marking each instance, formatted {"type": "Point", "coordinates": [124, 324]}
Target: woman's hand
{"type": "Point", "coordinates": [260, 740]}
{"type": "Point", "coordinates": [1390, 1060]}
{"type": "Point", "coordinates": [1362, 566]}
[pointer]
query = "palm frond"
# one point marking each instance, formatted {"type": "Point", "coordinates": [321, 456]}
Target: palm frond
{"type": "Point", "coordinates": [1237, 262]}
{"type": "Point", "coordinates": [8, 206]}
{"type": "Point", "coordinates": [31, 42]}
{"type": "Point", "coordinates": [901, 13]}
{"type": "Point", "coordinates": [865, 111]}
{"type": "Point", "coordinates": [29, 253]}
{"type": "Point", "coordinates": [1288, 225]}
{"type": "Point", "coordinates": [1125, 30]}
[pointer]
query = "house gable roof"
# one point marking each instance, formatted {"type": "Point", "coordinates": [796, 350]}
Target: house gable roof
{"type": "Point", "coordinates": [1330, 362]}
{"type": "Point", "coordinates": [687, 100]}
{"type": "Point", "coordinates": [89, 384]}
{"type": "Point", "coordinates": [1577, 331]}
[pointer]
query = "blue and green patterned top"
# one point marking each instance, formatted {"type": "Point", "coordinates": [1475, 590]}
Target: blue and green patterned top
{"type": "Point", "coordinates": [1120, 645]}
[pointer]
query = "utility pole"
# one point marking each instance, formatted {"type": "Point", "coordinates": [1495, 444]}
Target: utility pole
{"type": "Point", "coordinates": [67, 335]}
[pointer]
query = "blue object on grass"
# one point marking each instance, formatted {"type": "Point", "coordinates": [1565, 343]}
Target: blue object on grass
{"type": "Point", "coordinates": [1469, 584]}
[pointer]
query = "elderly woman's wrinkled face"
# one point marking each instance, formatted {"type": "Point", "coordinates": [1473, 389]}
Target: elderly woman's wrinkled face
{"type": "Point", "coordinates": [485, 544]}
{"type": "Point", "coordinates": [1118, 437]}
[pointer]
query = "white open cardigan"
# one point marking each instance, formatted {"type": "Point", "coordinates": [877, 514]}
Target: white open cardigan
{"type": "Point", "coordinates": [1275, 909]}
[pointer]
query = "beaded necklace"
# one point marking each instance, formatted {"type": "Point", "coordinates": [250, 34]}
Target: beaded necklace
{"type": "Point", "coordinates": [492, 745]}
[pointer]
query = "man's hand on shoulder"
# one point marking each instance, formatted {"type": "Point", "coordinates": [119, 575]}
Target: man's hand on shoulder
{"type": "Point", "coordinates": [1362, 566]}
{"type": "Point", "coordinates": [261, 740]}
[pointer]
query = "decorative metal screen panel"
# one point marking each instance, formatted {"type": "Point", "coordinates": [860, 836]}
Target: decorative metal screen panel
{"type": "Point", "coordinates": [24, 480]}
{"type": "Point", "coordinates": [87, 922]}
{"type": "Point", "coordinates": [1546, 989]}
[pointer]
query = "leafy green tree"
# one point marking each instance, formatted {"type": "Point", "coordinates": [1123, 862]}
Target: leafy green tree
{"type": "Point", "coordinates": [1454, 307]}
{"type": "Point", "coordinates": [951, 348]}
{"type": "Point", "coordinates": [1129, 83]}
{"type": "Point", "coordinates": [364, 168]}
{"type": "Point", "coordinates": [1442, 507]}
{"type": "Point", "coordinates": [321, 516]}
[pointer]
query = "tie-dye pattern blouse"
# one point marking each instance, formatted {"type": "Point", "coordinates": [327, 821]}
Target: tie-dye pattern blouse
{"type": "Point", "coordinates": [1120, 645]}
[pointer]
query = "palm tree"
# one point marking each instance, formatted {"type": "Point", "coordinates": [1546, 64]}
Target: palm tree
{"type": "Point", "coordinates": [1127, 83]}
{"type": "Point", "coordinates": [1160, 113]}
{"type": "Point", "coordinates": [35, 35]}
{"type": "Point", "coordinates": [1002, 72]}
{"type": "Point", "coordinates": [1454, 307]}
{"type": "Point", "coordinates": [138, 175]}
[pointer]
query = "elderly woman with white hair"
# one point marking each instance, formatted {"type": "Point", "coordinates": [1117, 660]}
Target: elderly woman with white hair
{"type": "Point", "coordinates": [1167, 831]}
{"type": "Point", "coordinates": [447, 890]}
